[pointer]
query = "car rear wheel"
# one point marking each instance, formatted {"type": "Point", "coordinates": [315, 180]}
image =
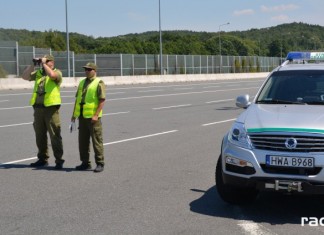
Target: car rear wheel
{"type": "Point", "coordinates": [232, 194]}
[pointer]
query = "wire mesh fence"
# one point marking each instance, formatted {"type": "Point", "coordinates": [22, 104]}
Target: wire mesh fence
{"type": "Point", "coordinates": [14, 59]}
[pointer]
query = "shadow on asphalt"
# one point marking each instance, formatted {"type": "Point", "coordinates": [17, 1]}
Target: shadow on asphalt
{"type": "Point", "coordinates": [272, 208]}
{"type": "Point", "coordinates": [228, 108]}
{"type": "Point", "coordinates": [47, 168]}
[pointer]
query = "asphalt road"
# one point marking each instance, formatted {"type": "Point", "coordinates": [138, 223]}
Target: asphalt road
{"type": "Point", "coordinates": [161, 147]}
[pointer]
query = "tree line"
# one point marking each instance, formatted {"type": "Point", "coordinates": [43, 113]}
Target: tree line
{"type": "Point", "coordinates": [273, 41]}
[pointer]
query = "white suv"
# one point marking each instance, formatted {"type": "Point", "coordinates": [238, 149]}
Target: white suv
{"type": "Point", "coordinates": [277, 143]}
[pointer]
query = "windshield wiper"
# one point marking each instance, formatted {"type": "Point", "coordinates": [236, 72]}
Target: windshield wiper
{"type": "Point", "coordinates": [276, 101]}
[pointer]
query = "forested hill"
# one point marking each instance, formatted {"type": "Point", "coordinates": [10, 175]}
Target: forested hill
{"type": "Point", "coordinates": [272, 41]}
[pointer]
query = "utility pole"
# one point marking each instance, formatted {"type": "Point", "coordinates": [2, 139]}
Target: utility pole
{"type": "Point", "coordinates": [220, 46]}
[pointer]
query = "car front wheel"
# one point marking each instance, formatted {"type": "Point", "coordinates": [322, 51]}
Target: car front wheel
{"type": "Point", "coordinates": [232, 194]}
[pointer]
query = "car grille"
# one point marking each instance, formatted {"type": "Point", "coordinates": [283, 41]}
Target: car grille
{"type": "Point", "coordinates": [272, 142]}
{"type": "Point", "coordinates": [290, 170]}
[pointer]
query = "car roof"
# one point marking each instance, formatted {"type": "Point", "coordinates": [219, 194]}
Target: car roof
{"type": "Point", "coordinates": [290, 67]}
{"type": "Point", "coordinates": [302, 60]}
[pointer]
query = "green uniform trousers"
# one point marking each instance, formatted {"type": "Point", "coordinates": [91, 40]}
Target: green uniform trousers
{"type": "Point", "coordinates": [88, 129]}
{"type": "Point", "coordinates": [47, 119]}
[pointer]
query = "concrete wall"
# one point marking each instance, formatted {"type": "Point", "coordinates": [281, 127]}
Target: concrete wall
{"type": "Point", "coordinates": [18, 83]}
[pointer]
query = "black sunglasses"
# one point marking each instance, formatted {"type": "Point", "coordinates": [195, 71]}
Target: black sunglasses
{"type": "Point", "coordinates": [88, 69]}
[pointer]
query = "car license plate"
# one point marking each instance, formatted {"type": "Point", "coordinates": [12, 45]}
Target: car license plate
{"type": "Point", "coordinates": [283, 161]}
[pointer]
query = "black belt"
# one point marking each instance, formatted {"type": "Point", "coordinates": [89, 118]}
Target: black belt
{"type": "Point", "coordinates": [42, 106]}
{"type": "Point", "coordinates": [39, 106]}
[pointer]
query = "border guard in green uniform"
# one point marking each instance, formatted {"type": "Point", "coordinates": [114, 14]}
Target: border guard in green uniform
{"type": "Point", "coordinates": [46, 101]}
{"type": "Point", "coordinates": [90, 99]}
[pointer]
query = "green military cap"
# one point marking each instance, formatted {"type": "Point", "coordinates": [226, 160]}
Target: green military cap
{"type": "Point", "coordinates": [49, 57]}
{"type": "Point", "coordinates": [90, 66]}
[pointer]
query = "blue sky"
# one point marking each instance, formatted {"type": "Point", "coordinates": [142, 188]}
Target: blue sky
{"type": "Point", "coordinates": [106, 18]}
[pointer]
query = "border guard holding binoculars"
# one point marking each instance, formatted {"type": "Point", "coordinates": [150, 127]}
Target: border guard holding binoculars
{"type": "Point", "coordinates": [46, 101]}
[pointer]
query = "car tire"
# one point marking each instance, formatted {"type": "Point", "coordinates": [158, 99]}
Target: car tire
{"type": "Point", "coordinates": [232, 194]}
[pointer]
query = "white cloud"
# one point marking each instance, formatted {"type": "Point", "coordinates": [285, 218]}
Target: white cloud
{"type": "Point", "coordinates": [289, 7]}
{"type": "Point", "coordinates": [244, 12]}
{"type": "Point", "coordinates": [280, 18]}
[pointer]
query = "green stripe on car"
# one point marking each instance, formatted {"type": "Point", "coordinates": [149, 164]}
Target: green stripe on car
{"type": "Point", "coordinates": [274, 129]}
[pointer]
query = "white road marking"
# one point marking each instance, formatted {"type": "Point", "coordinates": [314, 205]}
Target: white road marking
{"type": "Point", "coordinates": [140, 137]}
{"type": "Point", "coordinates": [213, 123]}
{"type": "Point", "coordinates": [253, 228]}
{"type": "Point", "coordinates": [28, 123]}
{"type": "Point", "coordinates": [108, 114]}
{"type": "Point", "coordinates": [23, 107]}
{"type": "Point", "coordinates": [218, 101]}
{"type": "Point", "coordinates": [15, 94]}
{"type": "Point", "coordinates": [183, 88]}
{"type": "Point", "coordinates": [170, 107]}
{"type": "Point", "coordinates": [19, 124]}
{"type": "Point", "coordinates": [109, 143]}
{"type": "Point", "coordinates": [175, 94]}
{"type": "Point", "coordinates": [150, 91]}
{"type": "Point", "coordinates": [115, 93]}
{"type": "Point", "coordinates": [250, 227]}
{"type": "Point", "coordinates": [22, 160]}
{"type": "Point", "coordinates": [4, 100]}
{"type": "Point", "coordinates": [147, 96]}
{"type": "Point", "coordinates": [210, 87]}
{"type": "Point", "coordinates": [182, 85]}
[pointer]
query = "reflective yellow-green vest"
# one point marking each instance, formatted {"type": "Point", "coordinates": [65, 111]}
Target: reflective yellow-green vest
{"type": "Point", "coordinates": [91, 100]}
{"type": "Point", "coordinates": [52, 90]}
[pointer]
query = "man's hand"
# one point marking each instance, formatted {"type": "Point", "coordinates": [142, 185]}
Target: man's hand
{"type": "Point", "coordinates": [94, 119]}
{"type": "Point", "coordinates": [44, 60]}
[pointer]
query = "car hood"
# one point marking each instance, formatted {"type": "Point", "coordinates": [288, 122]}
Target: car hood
{"type": "Point", "coordinates": [291, 118]}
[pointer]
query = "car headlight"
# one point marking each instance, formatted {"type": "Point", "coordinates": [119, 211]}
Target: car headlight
{"type": "Point", "coordinates": [239, 136]}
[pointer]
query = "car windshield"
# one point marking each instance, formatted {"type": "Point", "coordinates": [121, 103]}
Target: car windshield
{"type": "Point", "coordinates": [294, 87]}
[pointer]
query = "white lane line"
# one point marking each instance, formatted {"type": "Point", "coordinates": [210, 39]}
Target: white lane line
{"type": "Point", "coordinates": [213, 123]}
{"type": "Point", "coordinates": [218, 101]}
{"type": "Point", "coordinates": [19, 124]}
{"type": "Point", "coordinates": [140, 137]}
{"type": "Point", "coordinates": [149, 91]}
{"type": "Point", "coordinates": [250, 227]}
{"type": "Point", "coordinates": [253, 228]}
{"type": "Point", "coordinates": [147, 96]}
{"type": "Point", "coordinates": [23, 107]}
{"type": "Point", "coordinates": [109, 114]}
{"type": "Point", "coordinates": [115, 93]}
{"type": "Point", "coordinates": [170, 107]}
{"type": "Point", "coordinates": [15, 94]}
{"type": "Point", "coordinates": [22, 160]}
{"type": "Point", "coordinates": [4, 100]}
{"type": "Point", "coordinates": [182, 85]}
{"type": "Point", "coordinates": [175, 94]}
{"type": "Point", "coordinates": [28, 123]}
{"type": "Point", "coordinates": [183, 88]}
{"type": "Point", "coordinates": [109, 143]}
{"type": "Point", "coordinates": [210, 87]}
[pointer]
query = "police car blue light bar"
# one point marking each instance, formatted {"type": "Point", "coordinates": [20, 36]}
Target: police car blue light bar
{"type": "Point", "coordinates": [300, 55]}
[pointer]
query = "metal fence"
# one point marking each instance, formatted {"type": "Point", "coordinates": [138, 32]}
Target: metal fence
{"type": "Point", "coordinates": [14, 59]}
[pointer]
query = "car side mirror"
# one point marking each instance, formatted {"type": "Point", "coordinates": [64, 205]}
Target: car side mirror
{"type": "Point", "coordinates": [243, 101]}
